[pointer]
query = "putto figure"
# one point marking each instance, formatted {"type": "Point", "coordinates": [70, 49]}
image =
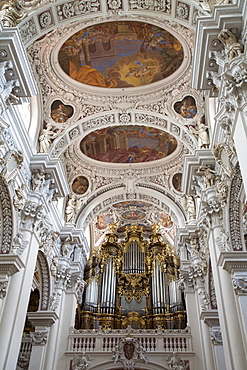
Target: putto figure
{"type": "Point", "coordinates": [232, 47]}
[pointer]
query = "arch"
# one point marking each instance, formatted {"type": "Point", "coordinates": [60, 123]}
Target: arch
{"type": "Point", "coordinates": [116, 118]}
{"type": "Point", "coordinates": [40, 22]}
{"type": "Point", "coordinates": [155, 195]}
{"type": "Point", "coordinates": [6, 222]}
{"type": "Point", "coordinates": [45, 281]}
{"type": "Point", "coordinates": [138, 366]}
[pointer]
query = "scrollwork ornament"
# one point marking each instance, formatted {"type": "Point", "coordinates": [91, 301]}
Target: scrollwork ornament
{"type": "Point", "coordinates": [216, 337]}
{"type": "Point", "coordinates": [114, 4]}
{"type": "Point", "coordinates": [3, 288]}
{"type": "Point", "coordinates": [39, 338]}
{"type": "Point", "coordinates": [81, 362]}
{"type": "Point", "coordinates": [128, 351]}
{"type": "Point", "coordinates": [240, 285]}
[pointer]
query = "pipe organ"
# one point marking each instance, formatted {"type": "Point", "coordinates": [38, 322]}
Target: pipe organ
{"type": "Point", "coordinates": [133, 282]}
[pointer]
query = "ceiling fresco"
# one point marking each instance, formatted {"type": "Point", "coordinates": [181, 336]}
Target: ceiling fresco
{"type": "Point", "coordinates": [121, 54]}
{"type": "Point", "coordinates": [103, 220]}
{"type": "Point", "coordinates": [164, 219]}
{"type": "Point", "coordinates": [133, 215]}
{"type": "Point", "coordinates": [132, 203]}
{"type": "Point", "coordinates": [80, 185]}
{"type": "Point", "coordinates": [128, 144]}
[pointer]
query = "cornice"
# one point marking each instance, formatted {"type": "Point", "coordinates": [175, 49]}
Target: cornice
{"type": "Point", "coordinates": [233, 261]}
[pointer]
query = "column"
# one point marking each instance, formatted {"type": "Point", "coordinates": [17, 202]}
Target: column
{"type": "Point", "coordinates": [41, 320]}
{"type": "Point", "coordinates": [16, 303]}
{"type": "Point", "coordinates": [235, 355]}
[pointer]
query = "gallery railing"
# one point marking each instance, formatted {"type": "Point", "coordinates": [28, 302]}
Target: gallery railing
{"type": "Point", "coordinates": [158, 340]}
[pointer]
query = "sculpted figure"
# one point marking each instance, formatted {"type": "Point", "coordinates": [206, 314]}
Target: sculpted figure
{"type": "Point", "coordinates": [209, 175]}
{"type": "Point", "coordinates": [201, 133]}
{"type": "Point", "coordinates": [232, 47]}
{"type": "Point", "coordinates": [45, 137]}
{"type": "Point", "coordinates": [81, 362]}
{"type": "Point", "coordinates": [175, 362]}
{"type": "Point", "coordinates": [68, 246]}
{"type": "Point", "coordinates": [71, 208]}
{"type": "Point", "coordinates": [190, 206]}
{"type": "Point", "coordinates": [38, 180]}
{"type": "Point", "coordinates": [19, 200]}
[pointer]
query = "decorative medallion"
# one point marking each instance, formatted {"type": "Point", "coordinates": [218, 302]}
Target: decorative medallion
{"type": "Point", "coordinates": [133, 215]}
{"type": "Point", "coordinates": [177, 181]}
{"type": "Point", "coordinates": [186, 108]}
{"type": "Point", "coordinates": [128, 144]}
{"type": "Point", "coordinates": [80, 185]}
{"type": "Point", "coordinates": [121, 54]}
{"type": "Point", "coordinates": [60, 113]}
{"type": "Point", "coordinates": [131, 203]}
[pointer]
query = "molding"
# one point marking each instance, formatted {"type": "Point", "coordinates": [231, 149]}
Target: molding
{"type": "Point", "coordinates": [53, 169]}
{"type": "Point", "coordinates": [10, 264]}
{"type": "Point", "coordinates": [233, 261]}
{"type": "Point", "coordinates": [12, 50]}
{"type": "Point", "coordinates": [207, 42]}
{"type": "Point", "coordinates": [210, 317]}
{"type": "Point", "coordinates": [42, 318]}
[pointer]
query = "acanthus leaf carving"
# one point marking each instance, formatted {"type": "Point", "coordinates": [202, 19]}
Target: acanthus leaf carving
{"type": "Point", "coordinates": [3, 288]}
{"type": "Point", "coordinates": [240, 285]}
{"type": "Point", "coordinates": [216, 336]}
{"type": "Point", "coordinates": [39, 338]}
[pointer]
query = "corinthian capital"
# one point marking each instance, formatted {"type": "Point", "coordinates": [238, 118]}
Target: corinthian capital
{"type": "Point", "coordinates": [240, 285]}
{"type": "Point", "coordinates": [39, 338]}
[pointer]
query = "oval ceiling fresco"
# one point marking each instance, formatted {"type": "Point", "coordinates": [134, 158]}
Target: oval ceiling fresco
{"type": "Point", "coordinates": [120, 54]}
{"type": "Point", "coordinates": [128, 144]}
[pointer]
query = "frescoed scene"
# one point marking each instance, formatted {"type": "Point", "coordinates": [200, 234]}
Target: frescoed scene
{"type": "Point", "coordinates": [80, 185]}
{"type": "Point", "coordinates": [60, 113]}
{"type": "Point", "coordinates": [145, 228]}
{"type": "Point", "coordinates": [131, 144]}
{"type": "Point", "coordinates": [177, 181]}
{"type": "Point", "coordinates": [121, 54]}
{"type": "Point", "coordinates": [133, 215]}
{"type": "Point", "coordinates": [103, 221]}
{"type": "Point", "coordinates": [186, 108]}
{"type": "Point", "coordinates": [132, 203]}
{"type": "Point", "coordinates": [164, 219]}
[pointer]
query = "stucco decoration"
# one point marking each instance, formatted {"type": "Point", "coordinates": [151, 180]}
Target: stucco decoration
{"type": "Point", "coordinates": [45, 281]}
{"type": "Point", "coordinates": [6, 222]}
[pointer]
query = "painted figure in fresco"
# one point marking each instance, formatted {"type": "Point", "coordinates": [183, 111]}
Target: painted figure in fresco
{"type": "Point", "coordinates": [130, 144]}
{"type": "Point", "coordinates": [177, 181]}
{"type": "Point", "coordinates": [61, 113]}
{"type": "Point", "coordinates": [121, 54]}
{"type": "Point", "coordinates": [186, 108]}
{"type": "Point", "coordinates": [80, 185]}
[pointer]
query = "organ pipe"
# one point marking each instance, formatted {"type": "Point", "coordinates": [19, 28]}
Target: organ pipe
{"type": "Point", "coordinates": [140, 274]}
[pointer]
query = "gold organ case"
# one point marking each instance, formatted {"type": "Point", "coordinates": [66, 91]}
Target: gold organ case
{"type": "Point", "coordinates": [133, 282]}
